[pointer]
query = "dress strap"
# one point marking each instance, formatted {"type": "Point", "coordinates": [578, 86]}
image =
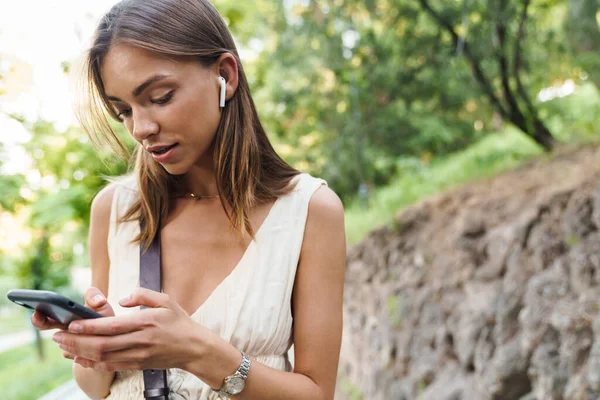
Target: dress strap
{"type": "Point", "coordinates": [304, 190]}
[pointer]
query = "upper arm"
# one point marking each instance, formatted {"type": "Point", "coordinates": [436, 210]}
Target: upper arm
{"type": "Point", "coordinates": [98, 237]}
{"type": "Point", "coordinates": [318, 291]}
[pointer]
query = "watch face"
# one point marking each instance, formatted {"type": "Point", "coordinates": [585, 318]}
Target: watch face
{"type": "Point", "coordinates": [235, 385]}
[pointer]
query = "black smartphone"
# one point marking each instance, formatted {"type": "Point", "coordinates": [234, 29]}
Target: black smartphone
{"type": "Point", "coordinates": [53, 305]}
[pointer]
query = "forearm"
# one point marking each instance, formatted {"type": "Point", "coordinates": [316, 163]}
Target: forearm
{"type": "Point", "coordinates": [94, 383]}
{"type": "Point", "coordinates": [266, 383]}
{"type": "Point", "coordinates": [263, 382]}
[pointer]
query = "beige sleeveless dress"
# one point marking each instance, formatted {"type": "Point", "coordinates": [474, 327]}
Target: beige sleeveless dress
{"type": "Point", "coordinates": [250, 309]}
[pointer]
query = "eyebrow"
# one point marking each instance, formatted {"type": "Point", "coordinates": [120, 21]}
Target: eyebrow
{"type": "Point", "coordinates": [140, 89]}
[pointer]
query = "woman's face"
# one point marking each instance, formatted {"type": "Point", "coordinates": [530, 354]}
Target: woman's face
{"type": "Point", "coordinates": [170, 107]}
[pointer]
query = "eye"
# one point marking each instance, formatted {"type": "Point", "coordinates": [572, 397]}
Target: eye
{"type": "Point", "coordinates": [165, 98]}
{"type": "Point", "coordinates": [124, 113]}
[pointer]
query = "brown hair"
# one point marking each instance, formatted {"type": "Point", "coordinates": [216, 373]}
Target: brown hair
{"type": "Point", "coordinates": [248, 170]}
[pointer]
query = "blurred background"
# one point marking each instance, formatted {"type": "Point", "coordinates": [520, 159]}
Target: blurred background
{"type": "Point", "coordinates": [449, 128]}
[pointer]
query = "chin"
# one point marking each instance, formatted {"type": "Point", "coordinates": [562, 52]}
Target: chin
{"type": "Point", "coordinates": [175, 169]}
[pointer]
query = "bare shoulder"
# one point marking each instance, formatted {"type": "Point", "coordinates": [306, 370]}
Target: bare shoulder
{"type": "Point", "coordinates": [325, 204]}
{"type": "Point", "coordinates": [324, 225]}
{"type": "Point", "coordinates": [102, 202]}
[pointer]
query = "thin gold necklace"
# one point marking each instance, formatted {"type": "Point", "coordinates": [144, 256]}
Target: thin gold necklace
{"type": "Point", "coordinates": [192, 195]}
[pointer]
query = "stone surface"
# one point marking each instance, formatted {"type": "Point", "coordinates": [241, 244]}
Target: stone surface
{"type": "Point", "coordinates": [488, 291]}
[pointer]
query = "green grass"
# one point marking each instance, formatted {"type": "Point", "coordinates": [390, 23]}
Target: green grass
{"type": "Point", "coordinates": [13, 318]}
{"type": "Point", "coordinates": [24, 377]}
{"type": "Point", "coordinates": [494, 154]}
{"type": "Point", "coordinates": [15, 321]}
{"type": "Point", "coordinates": [572, 120]}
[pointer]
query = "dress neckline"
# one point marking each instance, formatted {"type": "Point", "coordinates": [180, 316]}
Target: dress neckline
{"type": "Point", "coordinates": [241, 262]}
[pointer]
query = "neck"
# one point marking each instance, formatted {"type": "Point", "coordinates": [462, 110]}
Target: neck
{"type": "Point", "coordinates": [201, 182]}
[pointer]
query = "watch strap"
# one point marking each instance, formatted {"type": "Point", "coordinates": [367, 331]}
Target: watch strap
{"type": "Point", "coordinates": [242, 372]}
{"type": "Point", "coordinates": [244, 367]}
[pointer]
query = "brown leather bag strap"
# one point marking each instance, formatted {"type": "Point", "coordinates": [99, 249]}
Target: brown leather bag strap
{"type": "Point", "coordinates": [155, 380]}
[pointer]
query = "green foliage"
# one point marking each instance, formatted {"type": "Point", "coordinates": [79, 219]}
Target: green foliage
{"type": "Point", "coordinates": [491, 155]}
{"type": "Point", "coordinates": [375, 93]}
{"type": "Point", "coordinates": [248, 18]}
{"type": "Point", "coordinates": [9, 187]}
{"type": "Point", "coordinates": [576, 115]}
{"type": "Point", "coordinates": [6, 283]}
{"type": "Point", "coordinates": [583, 35]}
{"type": "Point", "coordinates": [43, 267]}
{"type": "Point", "coordinates": [346, 87]}
{"type": "Point", "coordinates": [355, 91]}
{"type": "Point", "coordinates": [70, 171]}
{"type": "Point", "coordinates": [76, 169]}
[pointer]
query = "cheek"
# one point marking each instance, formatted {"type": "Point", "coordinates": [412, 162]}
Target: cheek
{"type": "Point", "coordinates": [200, 117]}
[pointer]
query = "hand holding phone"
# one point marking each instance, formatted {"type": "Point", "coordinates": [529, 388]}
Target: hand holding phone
{"type": "Point", "coordinates": [54, 311]}
{"type": "Point", "coordinates": [94, 301]}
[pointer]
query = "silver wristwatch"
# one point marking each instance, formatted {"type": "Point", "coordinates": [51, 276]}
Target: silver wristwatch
{"type": "Point", "coordinates": [234, 384]}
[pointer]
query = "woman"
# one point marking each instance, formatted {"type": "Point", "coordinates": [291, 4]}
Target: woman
{"type": "Point", "coordinates": [249, 245]}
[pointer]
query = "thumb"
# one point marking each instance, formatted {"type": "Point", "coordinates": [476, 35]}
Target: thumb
{"type": "Point", "coordinates": [94, 298]}
{"type": "Point", "coordinates": [146, 297]}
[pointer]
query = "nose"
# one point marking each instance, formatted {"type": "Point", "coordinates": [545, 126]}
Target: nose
{"type": "Point", "coordinates": [143, 126]}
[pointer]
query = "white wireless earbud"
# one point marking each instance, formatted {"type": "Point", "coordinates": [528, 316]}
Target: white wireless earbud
{"type": "Point", "coordinates": [223, 90]}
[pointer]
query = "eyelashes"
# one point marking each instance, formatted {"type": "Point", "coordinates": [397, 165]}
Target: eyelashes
{"type": "Point", "coordinates": [124, 113]}
{"type": "Point", "coordinates": [163, 100]}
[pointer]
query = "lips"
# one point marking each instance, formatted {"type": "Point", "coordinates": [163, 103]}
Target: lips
{"type": "Point", "coordinates": [160, 149]}
{"type": "Point", "coordinates": [164, 154]}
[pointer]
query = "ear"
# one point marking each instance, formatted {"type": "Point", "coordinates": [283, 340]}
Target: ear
{"type": "Point", "coordinates": [227, 67]}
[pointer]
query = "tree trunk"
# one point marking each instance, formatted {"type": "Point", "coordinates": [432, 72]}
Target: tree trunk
{"type": "Point", "coordinates": [39, 345]}
{"type": "Point", "coordinates": [534, 128]}
{"type": "Point", "coordinates": [542, 135]}
{"type": "Point", "coordinates": [37, 278]}
{"type": "Point", "coordinates": [508, 107]}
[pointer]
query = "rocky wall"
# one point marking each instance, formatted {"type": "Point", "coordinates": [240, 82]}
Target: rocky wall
{"type": "Point", "coordinates": [489, 291]}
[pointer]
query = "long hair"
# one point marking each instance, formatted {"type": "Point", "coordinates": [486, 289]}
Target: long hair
{"type": "Point", "coordinates": [248, 170]}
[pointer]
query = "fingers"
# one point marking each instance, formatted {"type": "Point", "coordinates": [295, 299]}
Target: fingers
{"type": "Point", "coordinates": [43, 323]}
{"type": "Point", "coordinates": [96, 300]}
{"type": "Point", "coordinates": [148, 298]}
{"type": "Point", "coordinates": [85, 362]}
{"type": "Point", "coordinates": [98, 348]}
{"type": "Point", "coordinates": [112, 366]}
{"type": "Point", "coordinates": [111, 326]}
{"type": "Point", "coordinates": [132, 355]}
{"type": "Point", "coordinates": [124, 323]}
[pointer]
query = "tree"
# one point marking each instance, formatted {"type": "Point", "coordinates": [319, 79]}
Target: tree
{"type": "Point", "coordinates": [10, 186]}
{"type": "Point", "coordinates": [514, 104]}
{"type": "Point", "coordinates": [352, 88]}
{"type": "Point", "coordinates": [349, 88]}
{"type": "Point", "coordinates": [70, 172]}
